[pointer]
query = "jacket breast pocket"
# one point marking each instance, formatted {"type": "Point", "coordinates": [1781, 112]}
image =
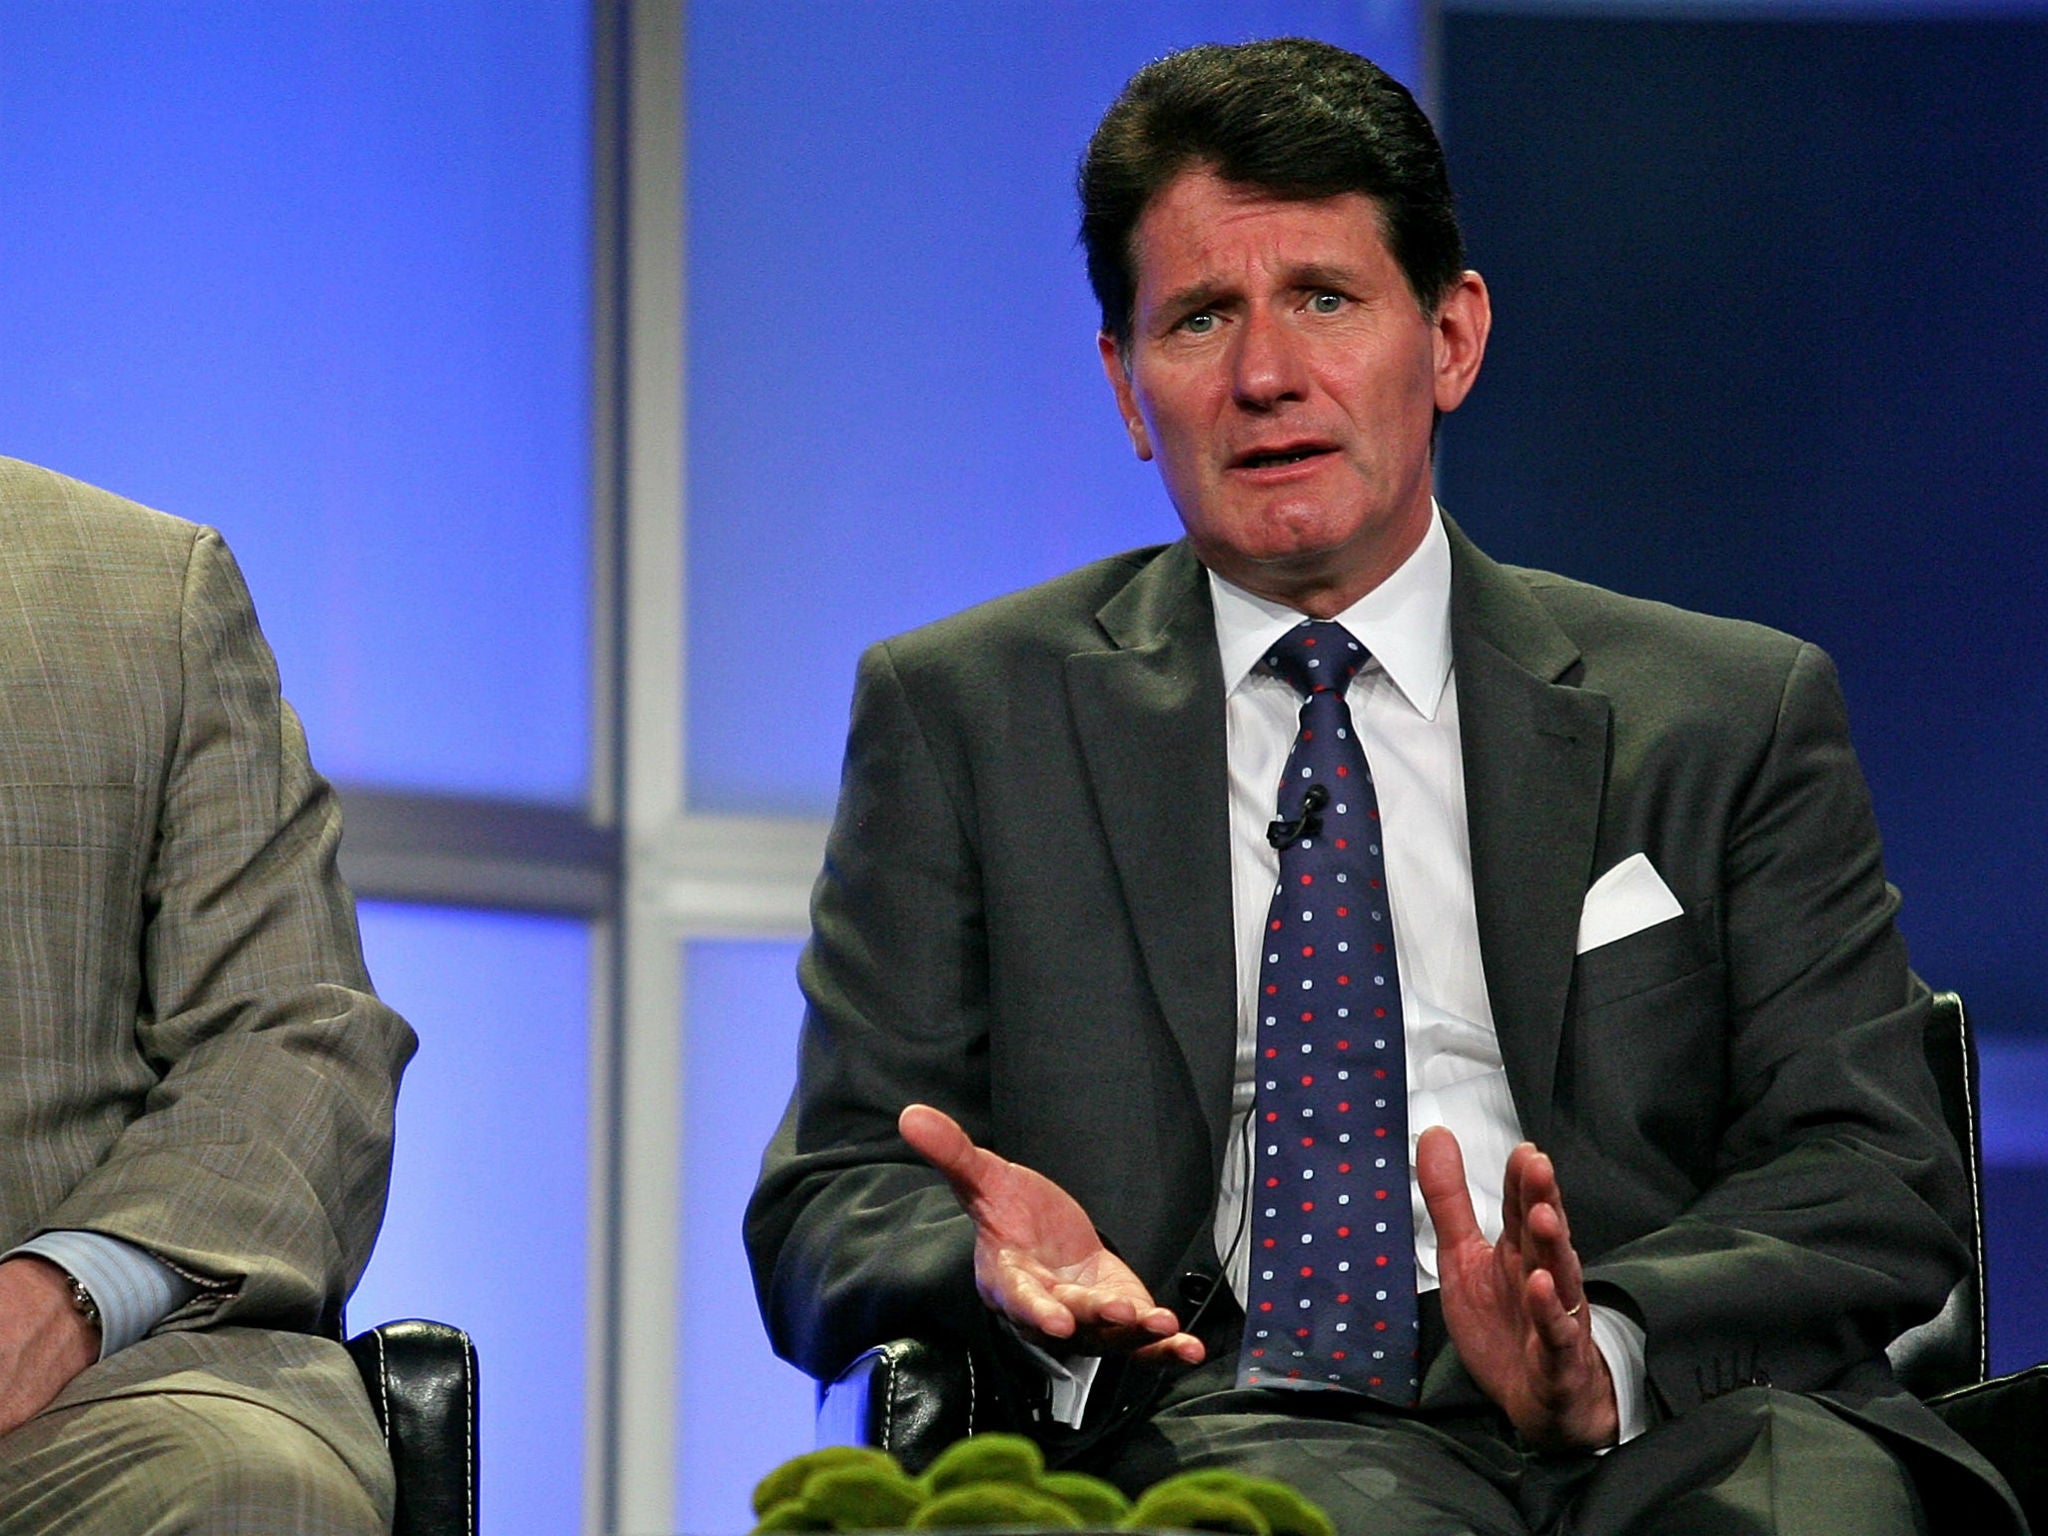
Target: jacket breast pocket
{"type": "Point", "coordinates": [66, 815]}
{"type": "Point", "coordinates": [1652, 957]}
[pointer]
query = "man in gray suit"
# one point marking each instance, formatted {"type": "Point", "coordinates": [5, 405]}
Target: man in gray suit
{"type": "Point", "coordinates": [1676, 1169]}
{"type": "Point", "coordinates": [197, 1095]}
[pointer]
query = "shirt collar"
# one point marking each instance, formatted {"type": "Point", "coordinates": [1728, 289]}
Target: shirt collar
{"type": "Point", "coordinates": [1405, 622]}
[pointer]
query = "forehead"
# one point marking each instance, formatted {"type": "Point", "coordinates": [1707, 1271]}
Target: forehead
{"type": "Point", "coordinates": [1200, 229]}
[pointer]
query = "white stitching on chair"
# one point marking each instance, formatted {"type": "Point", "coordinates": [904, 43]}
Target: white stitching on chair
{"type": "Point", "coordinates": [468, 1434]}
{"type": "Point", "coordinates": [383, 1388]}
{"type": "Point", "coordinates": [888, 1403]}
{"type": "Point", "coordinates": [1983, 1359]}
{"type": "Point", "coordinates": [970, 1391]}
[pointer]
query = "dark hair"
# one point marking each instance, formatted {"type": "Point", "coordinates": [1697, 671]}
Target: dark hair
{"type": "Point", "coordinates": [1288, 115]}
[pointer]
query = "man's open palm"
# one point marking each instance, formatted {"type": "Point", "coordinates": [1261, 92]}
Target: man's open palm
{"type": "Point", "coordinates": [1516, 1309]}
{"type": "Point", "coordinates": [1037, 1257]}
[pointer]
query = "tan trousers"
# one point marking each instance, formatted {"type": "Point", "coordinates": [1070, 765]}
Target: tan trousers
{"type": "Point", "coordinates": [179, 1464]}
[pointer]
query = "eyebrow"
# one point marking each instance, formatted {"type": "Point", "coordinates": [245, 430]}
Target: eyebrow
{"type": "Point", "coordinates": [1196, 296]}
{"type": "Point", "coordinates": [1204, 295]}
{"type": "Point", "coordinates": [1316, 274]}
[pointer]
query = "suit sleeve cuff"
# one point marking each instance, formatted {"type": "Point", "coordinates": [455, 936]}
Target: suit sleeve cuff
{"type": "Point", "coordinates": [1619, 1338]}
{"type": "Point", "coordinates": [134, 1290]}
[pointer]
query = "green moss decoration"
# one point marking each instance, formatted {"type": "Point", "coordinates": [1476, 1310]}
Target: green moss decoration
{"type": "Point", "coordinates": [1001, 1504]}
{"type": "Point", "coordinates": [864, 1498]}
{"type": "Point", "coordinates": [1096, 1502]}
{"type": "Point", "coordinates": [789, 1515]}
{"type": "Point", "coordinates": [787, 1481]}
{"type": "Point", "coordinates": [1000, 1481]}
{"type": "Point", "coordinates": [1174, 1505]}
{"type": "Point", "coordinates": [986, 1459]}
{"type": "Point", "coordinates": [1285, 1511]}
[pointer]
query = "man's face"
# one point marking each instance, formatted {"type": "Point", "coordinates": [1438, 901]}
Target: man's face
{"type": "Point", "coordinates": [1286, 379]}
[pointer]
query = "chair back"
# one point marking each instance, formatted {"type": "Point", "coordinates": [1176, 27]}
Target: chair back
{"type": "Point", "coordinates": [1952, 1349]}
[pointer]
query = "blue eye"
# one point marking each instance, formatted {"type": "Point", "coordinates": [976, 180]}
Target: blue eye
{"type": "Point", "coordinates": [1326, 303]}
{"type": "Point", "coordinates": [1200, 324]}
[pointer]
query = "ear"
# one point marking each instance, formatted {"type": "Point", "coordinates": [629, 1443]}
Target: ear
{"type": "Point", "coordinates": [1464, 318]}
{"type": "Point", "coordinates": [1119, 377]}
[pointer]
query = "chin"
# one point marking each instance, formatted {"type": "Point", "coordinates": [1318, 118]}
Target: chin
{"type": "Point", "coordinates": [1303, 541]}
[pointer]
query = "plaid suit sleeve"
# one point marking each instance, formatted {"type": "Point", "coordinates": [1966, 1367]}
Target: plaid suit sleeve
{"type": "Point", "coordinates": [259, 1161]}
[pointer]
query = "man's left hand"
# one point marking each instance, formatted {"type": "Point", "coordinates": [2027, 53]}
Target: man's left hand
{"type": "Point", "coordinates": [1516, 1309]}
{"type": "Point", "coordinates": [44, 1342]}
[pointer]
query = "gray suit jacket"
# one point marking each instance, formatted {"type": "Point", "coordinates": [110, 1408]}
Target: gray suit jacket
{"type": "Point", "coordinates": [1024, 918]}
{"type": "Point", "coordinates": [194, 1060]}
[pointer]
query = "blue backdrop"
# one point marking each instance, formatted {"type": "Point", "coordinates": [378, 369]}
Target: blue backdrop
{"type": "Point", "coordinates": [315, 273]}
{"type": "Point", "coordinates": [1770, 343]}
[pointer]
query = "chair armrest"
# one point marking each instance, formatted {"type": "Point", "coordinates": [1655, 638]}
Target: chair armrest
{"type": "Point", "coordinates": [909, 1397]}
{"type": "Point", "coordinates": [2006, 1419]}
{"type": "Point", "coordinates": [1945, 1353]}
{"type": "Point", "coordinates": [422, 1382]}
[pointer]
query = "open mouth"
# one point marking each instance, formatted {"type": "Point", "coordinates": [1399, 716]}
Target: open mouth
{"type": "Point", "coordinates": [1275, 458]}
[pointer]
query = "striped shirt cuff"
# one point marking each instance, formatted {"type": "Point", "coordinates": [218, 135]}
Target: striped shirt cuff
{"type": "Point", "coordinates": [134, 1290]}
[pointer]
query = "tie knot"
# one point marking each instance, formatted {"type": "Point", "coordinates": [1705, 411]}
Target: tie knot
{"type": "Point", "coordinates": [1314, 655]}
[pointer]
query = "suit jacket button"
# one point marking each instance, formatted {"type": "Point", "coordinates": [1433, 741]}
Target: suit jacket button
{"type": "Point", "coordinates": [1195, 1286]}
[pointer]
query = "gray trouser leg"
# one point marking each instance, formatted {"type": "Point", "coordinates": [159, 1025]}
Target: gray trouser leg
{"type": "Point", "coordinates": [1754, 1463]}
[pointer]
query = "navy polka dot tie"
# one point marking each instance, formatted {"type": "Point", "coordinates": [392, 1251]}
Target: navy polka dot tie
{"type": "Point", "coordinates": [1331, 1302]}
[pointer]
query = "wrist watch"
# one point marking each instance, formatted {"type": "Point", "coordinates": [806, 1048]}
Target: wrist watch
{"type": "Point", "coordinates": [82, 1302]}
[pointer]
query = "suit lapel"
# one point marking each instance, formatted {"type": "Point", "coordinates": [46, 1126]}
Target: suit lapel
{"type": "Point", "coordinates": [1149, 714]}
{"type": "Point", "coordinates": [1535, 753]}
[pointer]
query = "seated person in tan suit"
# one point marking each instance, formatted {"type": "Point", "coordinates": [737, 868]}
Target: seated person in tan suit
{"type": "Point", "coordinates": [196, 1081]}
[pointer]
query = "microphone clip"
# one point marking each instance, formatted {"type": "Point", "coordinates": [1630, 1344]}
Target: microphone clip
{"type": "Point", "coordinates": [1309, 823]}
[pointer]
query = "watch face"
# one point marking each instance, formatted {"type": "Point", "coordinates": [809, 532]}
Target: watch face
{"type": "Point", "coordinates": [81, 1298]}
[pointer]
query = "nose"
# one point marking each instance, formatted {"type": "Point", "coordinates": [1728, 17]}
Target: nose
{"type": "Point", "coordinates": [1267, 368]}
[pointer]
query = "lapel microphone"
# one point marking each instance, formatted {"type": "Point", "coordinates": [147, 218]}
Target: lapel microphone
{"type": "Point", "coordinates": [1282, 833]}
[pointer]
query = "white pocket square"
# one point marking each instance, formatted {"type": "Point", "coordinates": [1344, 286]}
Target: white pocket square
{"type": "Point", "coordinates": [1627, 899]}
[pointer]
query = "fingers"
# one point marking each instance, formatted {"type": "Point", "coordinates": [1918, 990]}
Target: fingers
{"type": "Point", "coordinates": [1154, 1338]}
{"type": "Point", "coordinates": [1107, 1308]}
{"type": "Point", "coordinates": [1121, 1316]}
{"type": "Point", "coordinates": [1018, 1291]}
{"type": "Point", "coordinates": [1545, 1241]}
{"type": "Point", "coordinates": [1184, 1347]}
{"type": "Point", "coordinates": [1532, 1211]}
{"type": "Point", "coordinates": [1096, 1319]}
{"type": "Point", "coordinates": [1570, 1402]}
{"type": "Point", "coordinates": [1559, 1327]}
{"type": "Point", "coordinates": [1515, 1193]}
{"type": "Point", "coordinates": [1440, 1171]}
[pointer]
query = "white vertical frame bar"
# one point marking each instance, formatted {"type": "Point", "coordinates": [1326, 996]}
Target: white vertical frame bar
{"type": "Point", "coordinates": [631, 1476]}
{"type": "Point", "coordinates": [607, 380]}
{"type": "Point", "coordinates": [683, 875]}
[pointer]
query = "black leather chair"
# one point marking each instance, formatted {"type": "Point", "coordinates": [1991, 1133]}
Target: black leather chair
{"type": "Point", "coordinates": [422, 1382]}
{"type": "Point", "coordinates": [913, 1398]}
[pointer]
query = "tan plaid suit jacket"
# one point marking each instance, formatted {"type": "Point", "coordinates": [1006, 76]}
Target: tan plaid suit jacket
{"type": "Point", "coordinates": [190, 1054]}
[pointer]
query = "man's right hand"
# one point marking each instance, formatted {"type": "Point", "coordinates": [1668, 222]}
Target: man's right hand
{"type": "Point", "coordinates": [1037, 1257]}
